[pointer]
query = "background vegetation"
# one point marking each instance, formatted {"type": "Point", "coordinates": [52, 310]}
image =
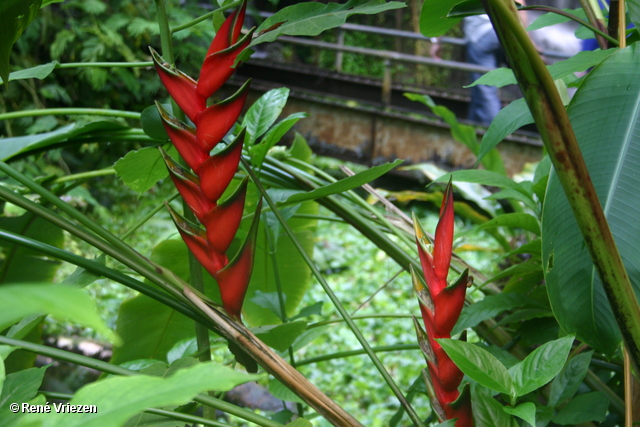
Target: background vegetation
{"type": "Point", "coordinates": [83, 190]}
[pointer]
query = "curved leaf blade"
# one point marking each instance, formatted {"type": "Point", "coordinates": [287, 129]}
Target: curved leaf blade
{"type": "Point", "coordinates": [263, 113]}
{"type": "Point", "coordinates": [605, 114]}
{"type": "Point", "coordinates": [345, 184]}
{"type": "Point", "coordinates": [433, 17]}
{"type": "Point", "coordinates": [541, 366]}
{"type": "Point", "coordinates": [61, 301]}
{"type": "Point", "coordinates": [478, 364]}
{"type": "Point", "coordinates": [137, 393]}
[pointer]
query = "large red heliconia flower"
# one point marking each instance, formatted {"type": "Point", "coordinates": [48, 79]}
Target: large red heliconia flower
{"type": "Point", "coordinates": [441, 304]}
{"type": "Point", "coordinates": [210, 175]}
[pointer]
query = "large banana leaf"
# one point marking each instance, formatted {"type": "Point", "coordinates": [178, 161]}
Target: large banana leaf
{"type": "Point", "coordinates": [605, 115]}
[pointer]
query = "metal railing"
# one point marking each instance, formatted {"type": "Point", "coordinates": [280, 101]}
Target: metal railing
{"type": "Point", "coordinates": [391, 57]}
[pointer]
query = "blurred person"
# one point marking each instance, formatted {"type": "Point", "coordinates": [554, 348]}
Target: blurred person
{"type": "Point", "coordinates": [483, 48]}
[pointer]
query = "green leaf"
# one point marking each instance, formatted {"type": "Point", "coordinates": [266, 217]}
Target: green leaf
{"type": "Point", "coordinates": [478, 364]}
{"type": "Point", "coordinates": [21, 264]}
{"type": "Point", "coordinates": [270, 301]}
{"type": "Point", "coordinates": [181, 349]}
{"type": "Point", "coordinates": [263, 113]}
{"type": "Point", "coordinates": [293, 275]}
{"type": "Point", "coordinates": [152, 124]}
{"type": "Point", "coordinates": [21, 386]}
{"type": "Point", "coordinates": [310, 310]}
{"type": "Point", "coordinates": [541, 366]}
{"type": "Point", "coordinates": [506, 358]}
{"type": "Point", "coordinates": [526, 314]}
{"type": "Point", "coordinates": [579, 62]}
{"type": "Point", "coordinates": [142, 169]}
{"type": "Point", "coordinates": [140, 392]}
{"type": "Point", "coordinates": [145, 365]}
{"type": "Point", "coordinates": [510, 193]}
{"type": "Point", "coordinates": [5, 351]}
{"type": "Point", "coordinates": [433, 17]}
{"type": "Point", "coordinates": [18, 387]}
{"type": "Point", "coordinates": [604, 115]}
{"type": "Point", "coordinates": [10, 147]}
{"type": "Point", "coordinates": [345, 184]}
{"type": "Point", "coordinates": [534, 247]}
{"type": "Point", "coordinates": [499, 77]}
{"type": "Point", "coordinates": [462, 133]}
{"type": "Point", "coordinates": [479, 176]}
{"type": "Point", "coordinates": [16, 17]}
{"type": "Point", "coordinates": [583, 408]}
{"type": "Point", "coordinates": [60, 301]}
{"type": "Point", "coordinates": [280, 337]}
{"type": "Point", "coordinates": [550, 18]}
{"type": "Point", "coordinates": [280, 391]}
{"type": "Point", "coordinates": [513, 220]}
{"type": "Point", "coordinates": [487, 411]}
{"type": "Point", "coordinates": [311, 19]}
{"type": "Point", "coordinates": [509, 119]}
{"type": "Point", "coordinates": [525, 411]}
{"type": "Point", "coordinates": [48, 2]}
{"type": "Point", "coordinates": [467, 8]}
{"type": "Point", "coordinates": [37, 72]}
{"type": "Point", "coordinates": [469, 191]}
{"type": "Point", "coordinates": [272, 137]}
{"type": "Point", "coordinates": [565, 385]}
{"type": "Point", "coordinates": [81, 277]}
{"type": "Point", "coordinates": [487, 308]}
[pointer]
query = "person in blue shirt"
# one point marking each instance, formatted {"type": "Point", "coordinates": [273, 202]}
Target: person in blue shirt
{"type": "Point", "coordinates": [483, 48]}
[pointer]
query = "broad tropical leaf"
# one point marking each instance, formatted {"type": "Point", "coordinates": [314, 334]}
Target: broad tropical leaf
{"type": "Point", "coordinates": [433, 18]}
{"type": "Point", "coordinates": [142, 391]}
{"type": "Point", "coordinates": [61, 301]}
{"type": "Point", "coordinates": [604, 113]}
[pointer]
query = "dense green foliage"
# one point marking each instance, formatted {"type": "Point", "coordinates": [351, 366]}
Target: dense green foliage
{"type": "Point", "coordinates": [86, 242]}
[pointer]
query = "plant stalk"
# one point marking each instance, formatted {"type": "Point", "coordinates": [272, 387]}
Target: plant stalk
{"type": "Point", "coordinates": [71, 111]}
{"type": "Point", "coordinates": [561, 144]}
{"type": "Point", "coordinates": [595, 17]}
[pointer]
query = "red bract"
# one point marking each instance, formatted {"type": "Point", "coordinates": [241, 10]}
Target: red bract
{"type": "Point", "coordinates": [202, 189]}
{"type": "Point", "coordinates": [440, 305]}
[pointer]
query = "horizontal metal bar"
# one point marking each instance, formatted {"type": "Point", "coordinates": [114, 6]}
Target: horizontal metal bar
{"type": "Point", "coordinates": [386, 54]}
{"type": "Point", "coordinates": [417, 36]}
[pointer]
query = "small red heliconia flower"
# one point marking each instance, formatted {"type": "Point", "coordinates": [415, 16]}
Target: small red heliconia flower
{"type": "Point", "coordinates": [211, 175]}
{"type": "Point", "coordinates": [440, 305]}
